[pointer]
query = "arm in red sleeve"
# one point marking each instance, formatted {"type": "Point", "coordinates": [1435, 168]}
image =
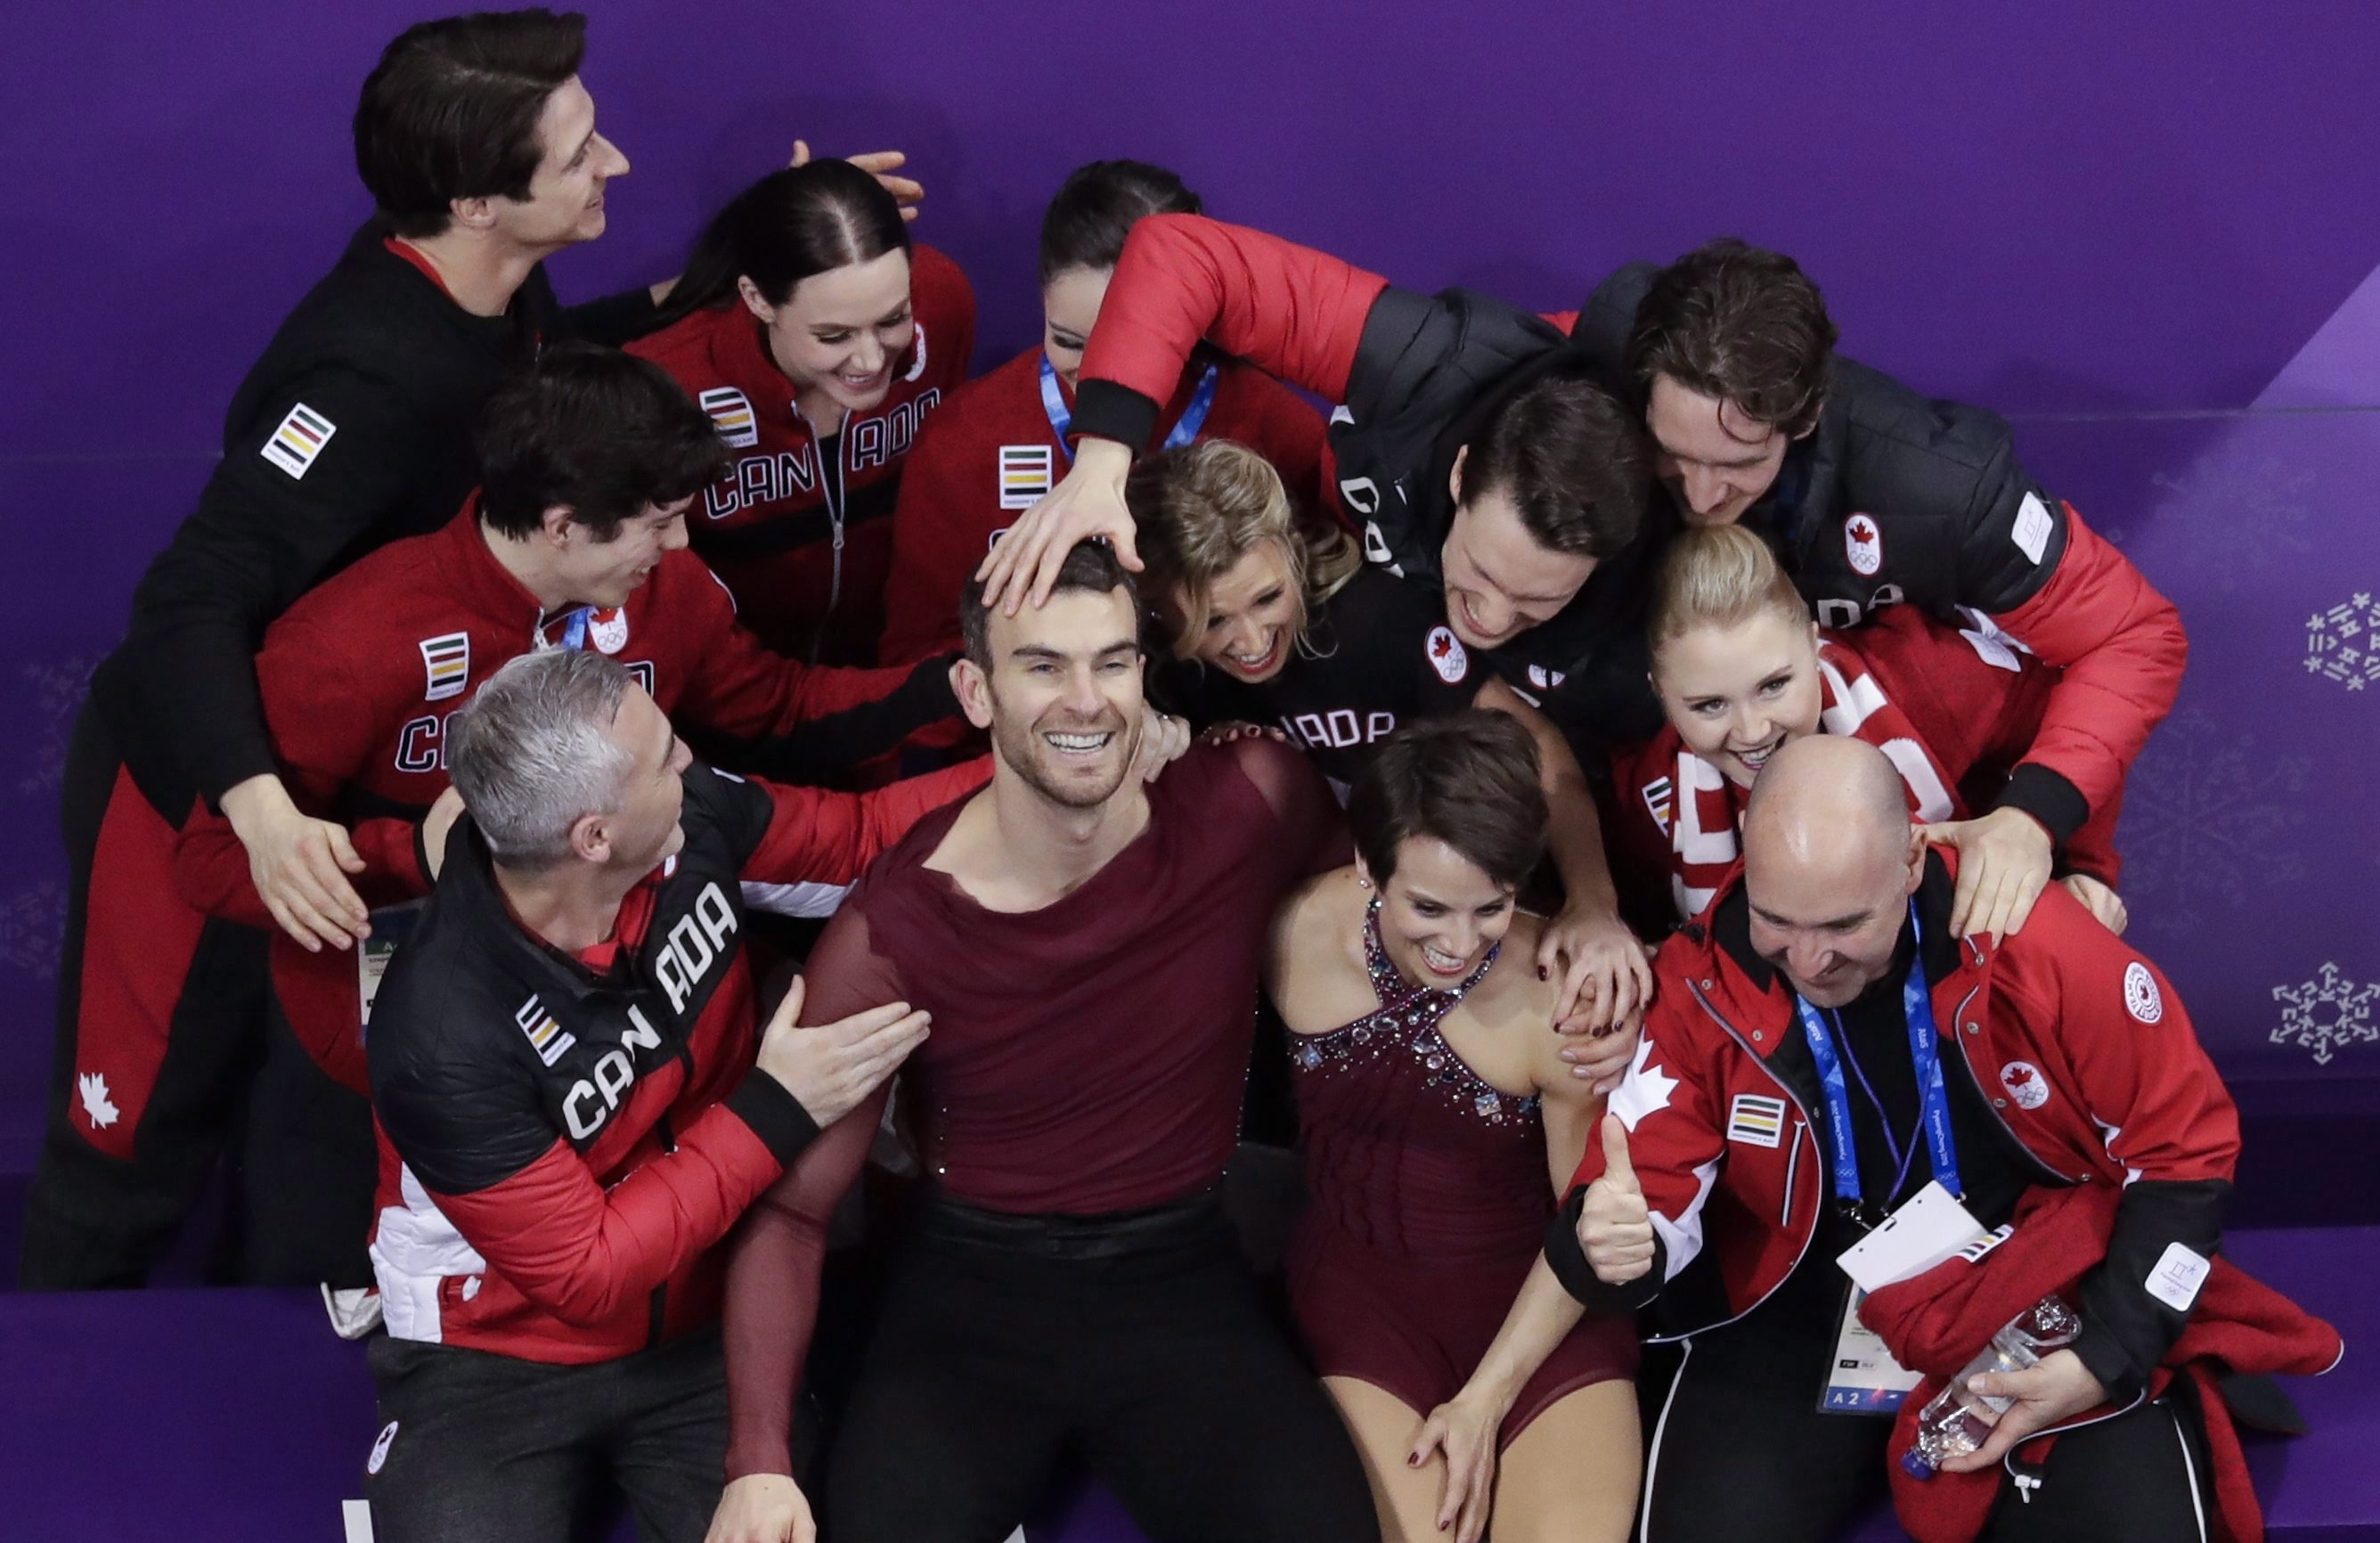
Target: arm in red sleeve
{"type": "Point", "coordinates": [819, 839]}
{"type": "Point", "coordinates": [211, 867]}
{"type": "Point", "coordinates": [2166, 1120]}
{"type": "Point", "coordinates": [773, 1262]}
{"type": "Point", "coordinates": [484, 1147]}
{"type": "Point", "coordinates": [2122, 649]}
{"type": "Point", "coordinates": [583, 1252]}
{"type": "Point", "coordinates": [1290, 311]}
{"type": "Point", "coordinates": [778, 716]}
{"type": "Point", "coordinates": [328, 716]}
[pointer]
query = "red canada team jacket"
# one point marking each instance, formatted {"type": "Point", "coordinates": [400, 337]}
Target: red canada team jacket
{"type": "Point", "coordinates": [1975, 697]}
{"type": "Point", "coordinates": [360, 676]}
{"type": "Point", "coordinates": [991, 452]}
{"type": "Point", "coordinates": [2079, 1045]}
{"type": "Point", "coordinates": [803, 540]}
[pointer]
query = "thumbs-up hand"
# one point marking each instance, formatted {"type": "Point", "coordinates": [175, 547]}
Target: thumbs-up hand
{"type": "Point", "coordinates": [1614, 1227]}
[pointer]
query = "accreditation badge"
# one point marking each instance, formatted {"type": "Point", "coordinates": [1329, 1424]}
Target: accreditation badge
{"type": "Point", "coordinates": [391, 925]}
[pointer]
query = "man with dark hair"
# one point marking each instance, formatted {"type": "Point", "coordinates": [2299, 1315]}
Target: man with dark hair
{"type": "Point", "coordinates": [1876, 496]}
{"type": "Point", "coordinates": [1479, 453]}
{"type": "Point", "coordinates": [572, 1107]}
{"type": "Point", "coordinates": [1827, 1049]}
{"type": "Point", "coordinates": [479, 140]}
{"type": "Point", "coordinates": [1089, 952]}
{"type": "Point", "coordinates": [575, 541]}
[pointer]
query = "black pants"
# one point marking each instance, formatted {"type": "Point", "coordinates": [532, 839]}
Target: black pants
{"type": "Point", "coordinates": [1138, 1342]}
{"type": "Point", "coordinates": [305, 1163]}
{"type": "Point", "coordinates": [1739, 1450]}
{"type": "Point", "coordinates": [475, 1445]}
{"type": "Point", "coordinates": [158, 1017]}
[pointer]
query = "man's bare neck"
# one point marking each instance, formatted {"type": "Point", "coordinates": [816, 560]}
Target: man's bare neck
{"type": "Point", "coordinates": [482, 272]}
{"type": "Point", "coordinates": [574, 907]}
{"type": "Point", "coordinates": [1013, 850]}
{"type": "Point", "coordinates": [519, 558]}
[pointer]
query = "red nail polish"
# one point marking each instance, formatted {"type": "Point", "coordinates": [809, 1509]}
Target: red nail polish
{"type": "Point", "coordinates": [1541, 972]}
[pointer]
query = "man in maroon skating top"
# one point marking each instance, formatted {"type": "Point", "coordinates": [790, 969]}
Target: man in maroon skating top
{"type": "Point", "coordinates": [1089, 949]}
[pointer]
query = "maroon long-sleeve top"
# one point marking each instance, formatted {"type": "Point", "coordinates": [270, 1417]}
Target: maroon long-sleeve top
{"type": "Point", "coordinates": [1086, 1057]}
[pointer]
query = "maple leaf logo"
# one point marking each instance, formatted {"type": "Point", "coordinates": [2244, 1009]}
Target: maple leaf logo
{"type": "Point", "coordinates": [1439, 644]}
{"type": "Point", "coordinates": [1862, 531]}
{"type": "Point", "coordinates": [93, 1086]}
{"type": "Point", "coordinates": [2018, 1076]}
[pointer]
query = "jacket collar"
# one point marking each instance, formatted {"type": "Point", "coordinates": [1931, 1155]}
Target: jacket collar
{"type": "Point", "coordinates": [485, 585]}
{"type": "Point", "coordinates": [468, 884]}
{"type": "Point", "coordinates": [1748, 986]}
{"type": "Point", "coordinates": [741, 357]}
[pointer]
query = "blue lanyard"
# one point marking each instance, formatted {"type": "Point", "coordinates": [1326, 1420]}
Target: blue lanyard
{"type": "Point", "coordinates": [1194, 416]}
{"type": "Point", "coordinates": [574, 629]}
{"type": "Point", "coordinates": [1934, 1099]}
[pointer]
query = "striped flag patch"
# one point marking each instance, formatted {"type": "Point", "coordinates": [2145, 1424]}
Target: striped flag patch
{"type": "Point", "coordinates": [546, 1036]}
{"type": "Point", "coordinates": [1756, 1121]}
{"type": "Point", "coordinates": [300, 438]}
{"type": "Point", "coordinates": [1023, 474]}
{"type": "Point", "coordinates": [448, 659]}
{"type": "Point", "coordinates": [1659, 799]}
{"type": "Point", "coordinates": [731, 413]}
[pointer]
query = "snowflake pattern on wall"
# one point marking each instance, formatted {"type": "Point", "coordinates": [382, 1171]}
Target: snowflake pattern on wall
{"type": "Point", "coordinates": [2262, 493]}
{"type": "Point", "coordinates": [2324, 1013]}
{"type": "Point", "coordinates": [2343, 643]}
{"type": "Point", "coordinates": [33, 930]}
{"type": "Point", "coordinates": [59, 687]}
{"type": "Point", "coordinates": [2208, 818]}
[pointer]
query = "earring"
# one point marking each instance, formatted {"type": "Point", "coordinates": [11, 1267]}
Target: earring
{"type": "Point", "coordinates": [1361, 882]}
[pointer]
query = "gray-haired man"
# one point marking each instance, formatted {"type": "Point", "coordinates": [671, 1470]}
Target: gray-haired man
{"type": "Point", "coordinates": [570, 1111]}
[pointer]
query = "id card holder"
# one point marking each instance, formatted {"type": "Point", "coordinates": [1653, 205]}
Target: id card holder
{"type": "Point", "coordinates": [1862, 1376]}
{"type": "Point", "coordinates": [391, 925]}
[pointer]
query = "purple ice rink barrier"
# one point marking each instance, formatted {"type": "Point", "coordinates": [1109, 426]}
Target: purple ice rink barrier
{"type": "Point", "coordinates": [229, 1416]}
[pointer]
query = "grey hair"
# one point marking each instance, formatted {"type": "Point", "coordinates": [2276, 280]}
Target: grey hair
{"type": "Point", "coordinates": [531, 753]}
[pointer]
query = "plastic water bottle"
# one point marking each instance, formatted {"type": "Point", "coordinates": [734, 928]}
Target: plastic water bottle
{"type": "Point", "coordinates": [1954, 1423]}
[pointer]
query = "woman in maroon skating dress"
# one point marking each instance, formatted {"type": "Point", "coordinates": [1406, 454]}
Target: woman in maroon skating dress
{"type": "Point", "coordinates": [1438, 1124]}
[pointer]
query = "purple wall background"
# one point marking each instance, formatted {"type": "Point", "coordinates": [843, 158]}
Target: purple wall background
{"type": "Point", "coordinates": [2152, 244]}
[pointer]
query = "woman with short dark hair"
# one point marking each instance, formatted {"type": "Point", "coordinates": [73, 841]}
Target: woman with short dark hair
{"type": "Point", "coordinates": [1434, 1106]}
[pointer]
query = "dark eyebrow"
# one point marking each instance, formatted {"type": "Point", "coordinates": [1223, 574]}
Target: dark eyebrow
{"type": "Point", "coordinates": [1043, 650]}
{"type": "Point", "coordinates": [1677, 455]}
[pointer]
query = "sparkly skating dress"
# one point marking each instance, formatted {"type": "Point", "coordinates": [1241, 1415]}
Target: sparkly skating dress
{"type": "Point", "coordinates": [1428, 1193]}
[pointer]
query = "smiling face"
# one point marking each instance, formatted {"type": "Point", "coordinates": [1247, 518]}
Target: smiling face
{"type": "Point", "coordinates": [1440, 913]}
{"type": "Point", "coordinates": [840, 334]}
{"type": "Point", "coordinates": [1070, 306]}
{"type": "Point", "coordinates": [565, 196]}
{"type": "Point", "coordinates": [1716, 462]}
{"type": "Point", "coordinates": [590, 571]}
{"type": "Point", "coordinates": [1737, 694]}
{"type": "Point", "coordinates": [1253, 615]}
{"type": "Point", "coordinates": [1062, 697]}
{"type": "Point", "coordinates": [1499, 581]}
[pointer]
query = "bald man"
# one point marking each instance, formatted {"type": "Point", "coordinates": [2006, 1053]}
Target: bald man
{"type": "Point", "coordinates": [1784, 1101]}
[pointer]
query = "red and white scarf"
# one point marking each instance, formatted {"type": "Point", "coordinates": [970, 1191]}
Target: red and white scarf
{"type": "Point", "coordinates": [1707, 805]}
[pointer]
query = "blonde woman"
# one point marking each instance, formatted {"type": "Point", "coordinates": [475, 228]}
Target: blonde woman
{"type": "Point", "coordinates": [1269, 618]}
{"type": "Point", "coordinates": [1741, 668]}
